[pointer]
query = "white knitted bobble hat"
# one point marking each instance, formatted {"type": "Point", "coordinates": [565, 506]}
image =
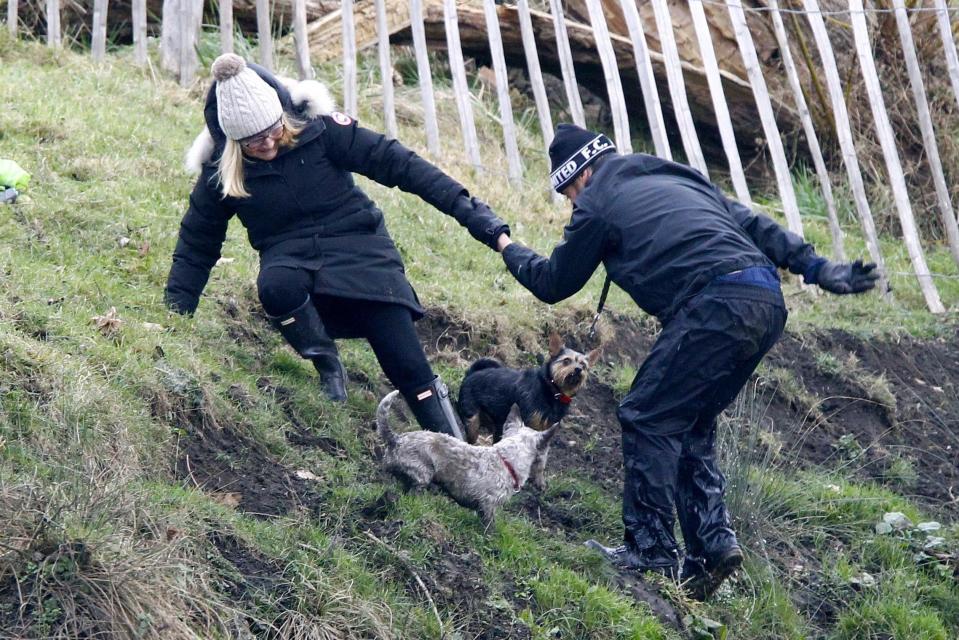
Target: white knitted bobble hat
{"type": "Point", "coordinates": [246, 104]}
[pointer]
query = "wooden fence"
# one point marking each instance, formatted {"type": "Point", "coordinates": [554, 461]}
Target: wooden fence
{"type": "Point", "coordinates": [182, 24]}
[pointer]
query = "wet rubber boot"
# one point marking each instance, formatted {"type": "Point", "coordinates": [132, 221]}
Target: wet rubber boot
{"type": "Point", "coordinates": [433, 408]}
{"type": "Point", "coordinates": [700, 578]}
{"type": "Point", "coordinates": [629, 558]}
{"type": "Point", "coordinates": [304, 330]}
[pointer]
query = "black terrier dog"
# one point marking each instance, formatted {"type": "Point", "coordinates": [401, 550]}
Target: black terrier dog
{"type": "Point", "coordinates": [543, 394]}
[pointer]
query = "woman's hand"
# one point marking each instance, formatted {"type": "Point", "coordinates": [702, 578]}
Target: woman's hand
{"type": "Point", "coordinates": [502, 242]}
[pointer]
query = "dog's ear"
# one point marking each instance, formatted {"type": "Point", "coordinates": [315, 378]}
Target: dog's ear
{"type": "Point", "coordinates": [546, 436]}
{"type": "Point", "coordinates": [594, 356]}
{"type": "Point", "coordinates": [555, 345]}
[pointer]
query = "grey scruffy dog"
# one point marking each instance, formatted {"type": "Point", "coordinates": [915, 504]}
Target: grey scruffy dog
{"type": "Point", "coordinates": [543, 394]}
{"type": "Point", "coordinates": [480, 478]}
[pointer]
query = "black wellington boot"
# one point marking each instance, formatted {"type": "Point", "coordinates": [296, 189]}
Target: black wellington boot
{"type": "Point", "coordinates": [304, 330]}
{"type": "Point", "coordinates": [433, 408]}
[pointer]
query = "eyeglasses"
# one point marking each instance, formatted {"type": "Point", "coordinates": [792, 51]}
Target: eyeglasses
{"type": "Point", "coordinates": [256, 141]}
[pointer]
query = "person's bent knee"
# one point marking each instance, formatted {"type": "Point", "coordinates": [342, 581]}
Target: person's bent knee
{"type": "Point", "coordinates": [279, 296]}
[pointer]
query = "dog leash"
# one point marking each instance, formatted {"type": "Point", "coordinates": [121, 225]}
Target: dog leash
{"type": "Point", "coordinates": [599, 308]}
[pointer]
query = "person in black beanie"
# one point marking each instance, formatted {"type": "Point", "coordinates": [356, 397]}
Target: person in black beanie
{"type": "Point", "coordinates": [706, 267]}
{"type": "Point", "coordinates": [279, 158]}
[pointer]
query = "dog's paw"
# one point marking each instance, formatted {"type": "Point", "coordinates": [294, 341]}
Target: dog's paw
{"type": "Point", "coordinates": [538, 483]}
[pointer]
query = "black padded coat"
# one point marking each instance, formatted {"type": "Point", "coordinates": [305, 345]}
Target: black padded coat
{"type": "Point", "coordinates": [663, 232]}
{"type": "Point", "coordinates": [306, 211]}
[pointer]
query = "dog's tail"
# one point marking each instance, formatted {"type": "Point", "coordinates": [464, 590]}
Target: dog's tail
{"type": "Point", "coordinates": [483, 363]}
{"type": "Point", "coordinates": [382, 419]}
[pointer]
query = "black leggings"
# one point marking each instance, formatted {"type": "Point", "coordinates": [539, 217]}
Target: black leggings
{"type": "Point", "coordinates": [386, 326]}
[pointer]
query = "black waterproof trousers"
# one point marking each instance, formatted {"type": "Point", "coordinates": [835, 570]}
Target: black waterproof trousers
{"type": "Point", "coordinates": [701, 360]}
{"type": "Point", "coordinates": [387, 326]}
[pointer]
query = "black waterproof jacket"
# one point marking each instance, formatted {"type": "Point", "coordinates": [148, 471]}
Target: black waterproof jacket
{"type": "Point", "coordinates": [662, 231]}
{"type": "Point", "coordinates": [306, 211]}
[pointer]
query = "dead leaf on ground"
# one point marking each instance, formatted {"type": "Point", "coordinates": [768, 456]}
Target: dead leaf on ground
{"type": "Point", "coordinates": [109, 322]}
{"type": "Point", "coordinates": [303, 474]}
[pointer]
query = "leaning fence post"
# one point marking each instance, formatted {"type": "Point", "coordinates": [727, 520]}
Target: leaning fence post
{"type": "Point", "coordinates": [188, 22]}
{"type": "Point", "coordinates": [886, 137]}
{"type": "Point", "coordinates": [614, 85]}
{"type": "Point", "coordinates": [386, 69]}
{"type": "Point", "coordinates": [425, 76]}
{"type": "Point", "coordinates": [647, 80]}
{"type": "Point", "coordinates": [139, 9]}
{"type": "Point", "coordinates": [677, 88]}
{"type": "Point", "coordinates": [726, 134]}
{"type": "Point", "coordinates": [844, 134]}
{"type": "Point", "coordinates": [948, 45]}
{"type": "Point", "coordinates": [566, 64]}
{"type": "Point", "coordinates": [264, 34]}
{"type": "Point", "coordinates": [928, 133]}
{"type": "Point", "coordinates": [301, 42]}
{"type": "Point", "coordinates": [12, 18]}
{"type": "Point", "coordinates": [54, 37]}
{"type": "Point", "coordinates": [98, 41]}
{"type": "Point", "coordinates": [771, 130]}
{"type": "Point", "coordinates": [461, 89]}
{"type": "Point", "coordinates": [535, 74]}
{"type": "Point", "coordinates": [350, 98]}
{"type": "Point", "coordinates": [514, 164]}
{"type": "Point", "coordinates": [226, 26]}
{"type": "Point", "coordinates": [812, 140]}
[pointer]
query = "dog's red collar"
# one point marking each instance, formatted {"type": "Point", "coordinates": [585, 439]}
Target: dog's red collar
{"type": "Point", "coordinates": [559, 395]}
{"type": "Point", "coordinates": [512, 471]}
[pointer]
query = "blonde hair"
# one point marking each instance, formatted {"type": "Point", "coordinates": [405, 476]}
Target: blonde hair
{"type": "Point", "coordinates": [229, 172]}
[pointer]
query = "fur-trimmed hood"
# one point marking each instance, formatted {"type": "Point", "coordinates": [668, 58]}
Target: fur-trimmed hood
{"type": "Point", "coordinates": [304, 99]}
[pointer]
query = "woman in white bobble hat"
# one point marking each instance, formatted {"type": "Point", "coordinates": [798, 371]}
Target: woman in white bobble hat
{"type": "Point", "coordinates": [278, 157]}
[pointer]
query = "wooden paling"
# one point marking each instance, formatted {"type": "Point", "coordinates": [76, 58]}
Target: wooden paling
{"type": "Point", "coordinates": [226, 26]}
{"type": "Point", "coordinates": [54, 37]}
{"type": "Point", "coordinates": [844, 134]}
{"type": "Point", "coordinates": [948, 45]}
{"type": "Point", "coordinates": [460, 87]}
{"type": "Point", "coordinates": [12, 17]}
{"type": "Point", "coordinates": [263, 33]}
{"type": "Point", "coordinates": [566, 64]}
{"type": "Point", "coordinates": [614, 87]}
{"type": "Point", "coordinates": [350, 99]}
{"type": "Point", "coordinates": [677, 88]}
{"type": "Point", "coordinates": [535, 74]}
{"type": "Point", "coordinates": [188, 20]}
{"type": "Point", "coordinates": [647, 80]}
{"type": "Point", "coordinates": [812, 139]}
{"type": "Point", "coordinates": [98, 42]}
{"type": "Point", "coordinates": [514, 166]}
{"type": "Point", "coordinates": [701, 26]}
{"type": "Point", "coordinates": [425, 76]}
{"type": "Point", "coordinates": [304, 68]}
{"type": "Point", "coordinates": [139, 19]}
{"type": "Point", "coordinates": [386, 70]}
{"type": "Point", "coordinates": [886, 137]}
{"type": "Point", "coordinates": [925, 126]}
{"type": "Point", "coordinates": [771, 130]}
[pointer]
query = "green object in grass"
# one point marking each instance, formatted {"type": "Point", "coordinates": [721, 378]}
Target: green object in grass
{"type": "Point", "coordinates": [13, 175]}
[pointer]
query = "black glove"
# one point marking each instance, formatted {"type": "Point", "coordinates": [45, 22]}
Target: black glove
{"type": "Point", "coordinates": [845, 277]}
{"type": "Point", "coordinates": [479, 220]}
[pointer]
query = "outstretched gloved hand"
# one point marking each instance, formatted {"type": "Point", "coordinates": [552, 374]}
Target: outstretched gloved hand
{"type": "Point", "coordinates": [845, 277]}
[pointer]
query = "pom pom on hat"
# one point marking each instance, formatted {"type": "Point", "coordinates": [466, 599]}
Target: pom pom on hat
{"type": "Point", "coordinates": [227, 66]}
{"type": "Point", "coordinates": [246, 104]}
{"type": "Point", "coordinates": [572, 150]}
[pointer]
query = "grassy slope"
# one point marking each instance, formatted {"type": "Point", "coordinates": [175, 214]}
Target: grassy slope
{"type": "Point", "coordinates": [91, 421]}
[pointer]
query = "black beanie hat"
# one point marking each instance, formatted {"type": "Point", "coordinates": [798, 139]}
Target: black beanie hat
{"type": "Point", "coordinates": [572, 150]}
